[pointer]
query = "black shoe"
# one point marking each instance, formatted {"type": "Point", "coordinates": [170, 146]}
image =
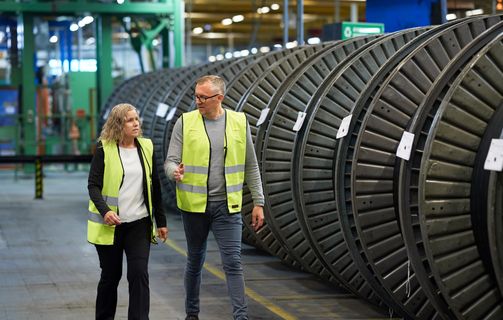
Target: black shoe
{"type": "Point", "coordinates": [192, 317]}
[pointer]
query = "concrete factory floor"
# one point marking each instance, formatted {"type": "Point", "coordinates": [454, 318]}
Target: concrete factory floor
{"type": "Point", "coordinates": [49, 271]}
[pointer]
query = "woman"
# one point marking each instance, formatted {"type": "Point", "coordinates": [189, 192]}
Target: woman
{"type": "Point", "coordinates": [125, 197]}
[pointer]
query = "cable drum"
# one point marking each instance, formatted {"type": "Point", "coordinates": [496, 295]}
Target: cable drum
{"type": "Point", "coordinates": [236, 91]}
{"type": "Point", "coordinates": [266, 82]}
{"type": "Point", "coordinates": [445, 193]}
{"type": "Point", "coordinates": [314, 155]}
{"type": "Point", "coordinates": [275, 141]}
{"type": "Point", "coordinates": [421, 236]}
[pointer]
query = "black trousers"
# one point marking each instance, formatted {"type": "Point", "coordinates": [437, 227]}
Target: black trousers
{"type": "Point", "coordinates": [133, 238]}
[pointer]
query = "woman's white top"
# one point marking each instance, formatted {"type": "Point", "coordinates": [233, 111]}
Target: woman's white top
{"type": "Point", "coordinates": [131, 202]}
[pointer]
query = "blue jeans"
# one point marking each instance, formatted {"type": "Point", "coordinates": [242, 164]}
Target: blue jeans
{"type": "Point", "coordinates": [227, 229]}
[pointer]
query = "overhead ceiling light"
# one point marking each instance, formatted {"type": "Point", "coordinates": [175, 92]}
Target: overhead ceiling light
{"type": "Point", "coordinates": [227, 21]}
{"type": "Point", "coordinates": [290, 45]}
{"type": "Point", "coordinates": [275, 6]}
{"type": "Point", "coordinates": [474, 12]}
{"type": "Point", "coordinates": [197, 30]}
{"type": "Point", "coordinates": [254, 50]}
{"type": "Point", "coordinates": [220, 57]}
{"type": "Point", "coordinates": [90, 41]}
{"type": "Point", "coordinates": [53, 39]}
{"type": "Point", "coordinates": [74, 27]}
{"type": "Point", "coordinates": [265, 49]}
{"type": "Point", "coordinates": [88, 19]}
{"type": "Point", "coordinates": [265, 9]}
{"type": "Point", "coordinates": [314, 40]}
{"type": "Point", "coordinates": [120, 1]}
{"type": "Point", "coordinates": [212, 59]}
{"type": "Point", "coordinates": [451, 16]}
{"type": "Point", "coordinates": [228, 55]}
{"type": "Point", "coordinates": [238, 18]}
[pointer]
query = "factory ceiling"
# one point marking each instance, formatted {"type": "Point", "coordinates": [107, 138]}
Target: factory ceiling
{"type": "Point", "coordinates": [260, 22]}
{"type": "Point", "coordinates": [266, 28]}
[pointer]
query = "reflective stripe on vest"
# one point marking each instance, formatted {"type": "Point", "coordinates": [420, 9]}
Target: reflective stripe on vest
{"type": "Point", "coordinates": [192, 191]}
{"type": "Point", "coordinates": [97, 231]}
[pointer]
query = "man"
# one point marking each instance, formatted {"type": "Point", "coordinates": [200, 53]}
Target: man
{"type": "Point", "coordinates": [210, 155]}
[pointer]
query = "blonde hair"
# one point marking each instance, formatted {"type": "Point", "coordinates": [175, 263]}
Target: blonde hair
{"type": "Point", "coordinates": [113, 129]}
{"type": "Point", "coordinates": [216, 82]}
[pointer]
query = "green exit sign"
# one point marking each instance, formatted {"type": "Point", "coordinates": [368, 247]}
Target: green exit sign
{"type": "Point", "coordinates": [356, 29]}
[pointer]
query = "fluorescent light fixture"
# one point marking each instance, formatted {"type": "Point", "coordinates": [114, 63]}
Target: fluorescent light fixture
{"type": "Point", "coordinates": [274, 6]}
{"type": "Point", "coordinates": [451, 16]}
{"type": "Point", "coordinates": [474, 12]}
{"type": "Point", "coordinates": [90, 41]}
{"type": "Point", "coordinates": [290, 45]}
{"type": "Point", "coordinates": [87, 19]}
{"type": "Point", "coordinates": [53, 39]}
{"type": "Point", "coordinates": [314, 40]}
{"type": "Point", "coordinates": [227, 21]}
{"type": "Point", "coordinates": [212, 58]}
{"type": "Point", "coordinates": [74, 27]}
{"type": "Point", "coordinates": [197, 30]}
{"type": "Point", "coordinates": [238, 18]}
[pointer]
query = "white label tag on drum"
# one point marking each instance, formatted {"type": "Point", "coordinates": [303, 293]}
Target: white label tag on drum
{"type": "Point", "coordinates": [494, 159]}
{"type": "Point", "coordinates": [344, 127]}
{"type": "Point", "coordinates": [263, 116]}
{"type": "Point", "coordinates": [405, 146]}
{"type": "Point", "coordinates": [161, 110]}
{"type": "Point", "coordinates": [300, 120]}
{"type": "Point", "coordinates": [171, 114]}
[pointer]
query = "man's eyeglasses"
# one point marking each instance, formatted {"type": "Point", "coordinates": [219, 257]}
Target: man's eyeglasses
{"type": "Point", "coordinates": [204, 98]}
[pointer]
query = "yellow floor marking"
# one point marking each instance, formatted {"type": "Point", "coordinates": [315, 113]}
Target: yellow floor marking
{"type": "Point", "coordinates": [249, 292]}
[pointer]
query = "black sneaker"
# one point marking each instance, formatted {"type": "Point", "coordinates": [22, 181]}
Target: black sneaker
{"type": "Point", "coordinates": [192, 317]}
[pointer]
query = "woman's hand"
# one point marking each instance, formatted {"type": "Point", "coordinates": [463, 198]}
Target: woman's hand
{"type": "Point", "coordinates": [111, 218]}
{"type": "Point", "coordinates": [162, 233]}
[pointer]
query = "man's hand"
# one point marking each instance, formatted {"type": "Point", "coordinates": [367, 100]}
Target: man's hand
{"type": "Point", "coordinates": [178, 173]}
{"type": "Point", "coordinates": [162, 233]}
{"type": "Point", "coordinates": [111, 218]}
{"type": "Point", "coordinates": [257, 218]}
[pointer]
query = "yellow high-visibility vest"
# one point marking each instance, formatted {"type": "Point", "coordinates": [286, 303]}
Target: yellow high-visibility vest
{"type": "Point", "coordinates": [192, 191]}
{"type": "Point", "coordinates": [98, 232]}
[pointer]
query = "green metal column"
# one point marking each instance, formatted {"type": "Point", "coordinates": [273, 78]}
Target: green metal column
{"type": "Point", "coordinates": [28, 104]}
{"type": "Point", "coordinates": [165, 48]}
{"type": "Point", "coordinates": [179, 32]}
{"type": "Point", "coordinates": [104, 80]}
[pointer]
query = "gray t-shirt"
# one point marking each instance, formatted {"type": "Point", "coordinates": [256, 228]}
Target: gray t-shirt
{"type": "Point", "coordinates": [216, 179]}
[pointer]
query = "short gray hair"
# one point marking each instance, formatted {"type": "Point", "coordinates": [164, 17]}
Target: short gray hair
{"type": "Point", "coordinates": [216, 82]}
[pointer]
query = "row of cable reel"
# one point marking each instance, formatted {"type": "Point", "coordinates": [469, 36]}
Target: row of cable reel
{"type": "Point", "coordinates": [379, 157]}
